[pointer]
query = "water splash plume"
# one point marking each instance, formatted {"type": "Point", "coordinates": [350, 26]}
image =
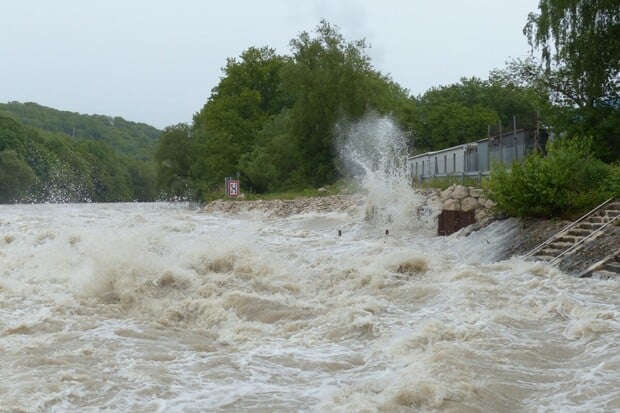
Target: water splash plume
{"type": "Point", "coordinates": [373, 151]}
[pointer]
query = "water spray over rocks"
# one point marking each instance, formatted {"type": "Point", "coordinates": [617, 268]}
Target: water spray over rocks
{"type": "Point", "coordinates": [373, 151]}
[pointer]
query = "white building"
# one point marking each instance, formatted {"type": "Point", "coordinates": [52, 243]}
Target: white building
{"type": "Point", "coordinates": [472, 159]}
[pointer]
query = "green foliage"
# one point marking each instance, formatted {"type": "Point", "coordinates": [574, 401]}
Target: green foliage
{"type": "Point", "coordinates": [579, 39]}
{"type": "Point", "coordinates": [565, 181]}
{"type": "Point", "coordinates": [580, 68]}
{"type": "Point", "coordinates": [462, 112]}
{"type": "Point", "coordinates": [57, 168]}
{"type": "Point", "coordinates": [227, 126]}
{"type": "Point", "coordinates": [174, 161]}
{"type": "Point", "coordinates": [331, 79]}
{"type": "Point", "coordinates": [271, 118]}
{"type": "Point", "coordinates": [130, 139]}
{"type": "Point", "coordinates": [274, 163]}
{"type": "Point", "coordinates": [16, 176]}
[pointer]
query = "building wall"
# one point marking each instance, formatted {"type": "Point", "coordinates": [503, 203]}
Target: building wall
{"type": "Point", "coordinates": [472, 159]}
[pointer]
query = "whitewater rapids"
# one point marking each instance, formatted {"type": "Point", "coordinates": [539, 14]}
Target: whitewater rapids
{"type": "Point", "coordinates": [163, 308]}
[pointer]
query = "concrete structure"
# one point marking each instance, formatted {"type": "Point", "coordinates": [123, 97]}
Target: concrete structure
{"type": "Point", "coordinates": [473, 159]}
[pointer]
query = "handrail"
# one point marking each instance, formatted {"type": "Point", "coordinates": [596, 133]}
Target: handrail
{"type": "Point", "coordinates": [581, 241]}
{"type": "Point", "coordinates": [565, 229]}
{"type": "Point", "coordinates": [598, 264]}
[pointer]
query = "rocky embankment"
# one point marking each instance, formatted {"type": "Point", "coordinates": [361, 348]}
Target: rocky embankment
{"type": "Point", "coordinates": [462, 198]}
{"type": "Point", "coordinates": [286, 207]}
{"type": "Point", "coordinates": [529, 233]}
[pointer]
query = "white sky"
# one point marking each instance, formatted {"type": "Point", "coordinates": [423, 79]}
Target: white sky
{"type": "Point", "coordinates": [156, 61]}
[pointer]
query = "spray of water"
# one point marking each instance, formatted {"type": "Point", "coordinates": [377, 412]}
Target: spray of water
{"type": "Point", "coordinates": [373, 151]}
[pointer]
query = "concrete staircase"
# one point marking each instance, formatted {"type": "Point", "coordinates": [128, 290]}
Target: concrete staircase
{"type": "Point", "coordinates": [605, 269]}
{"type": "Point", "coordinates": [576, 235]}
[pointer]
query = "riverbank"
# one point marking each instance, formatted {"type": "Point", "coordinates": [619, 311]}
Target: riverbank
{"type": "Point", "coordinates": [528, 233]}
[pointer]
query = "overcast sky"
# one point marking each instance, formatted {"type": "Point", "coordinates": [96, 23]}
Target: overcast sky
{"type": "Point", "coordinates": [156, 61]}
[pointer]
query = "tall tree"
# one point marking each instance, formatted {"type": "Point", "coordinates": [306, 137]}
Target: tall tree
{"type": "Point", "coordinates": [174, 161]}
{"type": "Point", "coordinates": [579, 39]}
{"type": "Point", "coordinates": [226, 128]}
{"type": "Point", "coordinates": [332, 79]}
{"type": "Point", "coordinates": [16, 177]}
{"type": "Point", "coordinates": [580, 54]}
{"type": "Point", "coordinates": [462, 112]}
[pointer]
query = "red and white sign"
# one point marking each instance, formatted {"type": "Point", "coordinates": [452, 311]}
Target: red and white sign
{"type": "Point", "coordinates": [233, 188]}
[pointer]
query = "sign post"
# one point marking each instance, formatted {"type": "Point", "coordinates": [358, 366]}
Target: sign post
{"type": "Point", "coordinates": [233, 187]}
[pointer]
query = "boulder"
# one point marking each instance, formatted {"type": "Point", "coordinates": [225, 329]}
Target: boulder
{"type": "Point", "coordinates": [489, 204]}
{"type": "Point", "coordinates": [446, 193]}
{"type": "Point", "coordinates": [460, 192]}
{"type": "Point", "coordinates": [452, 205]}
{"type": "Point", "coordinates": [469, 204]}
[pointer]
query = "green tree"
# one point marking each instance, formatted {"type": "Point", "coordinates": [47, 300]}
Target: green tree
{"type": "Point", "coordinates": [142, 179]}
{"type": "Point", "coordinates": [274, 163]}
{"type": "Point", "coordinates": [109, 176]}
{"type": "Point", "coordinates": [227, 126]}
{"type": "Point", "coordinates": [16, 177]}
{"type": "Point", "coordinates": [331, 79]}
{"type": "Point", "coordinates": [174, 161]}
{"type": "Point", "coordinates": [126, 138]}
{"type": "Point", "coordinates": [462, 112]}
{"type": "Point", "coordinates": [579, 39]}
{"type": "Point", "coordinates": [58, 168]}
{"type": "Point", "coordinates": [580, 56]}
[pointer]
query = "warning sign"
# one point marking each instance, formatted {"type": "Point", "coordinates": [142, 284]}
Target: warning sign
{"type": "Point", "coordinates": [232, 187]}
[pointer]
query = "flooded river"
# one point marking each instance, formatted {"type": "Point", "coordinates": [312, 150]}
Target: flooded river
{"type": "Point", "coordinates": [166, 308]}
{"type": "Point", "coordinates": [160, 307]}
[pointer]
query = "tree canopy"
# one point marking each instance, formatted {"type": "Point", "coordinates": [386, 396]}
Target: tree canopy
{"type": "Point", "coordinates": [272, 118]}
{"type": "Point", "coordinates": [130, 139]}
{"type": "Point", "coordinates": [57, 168]}
{"type": "Point", "coordinates": [579, 39]}
{"type": "Point", "coordinates": [580, 67]}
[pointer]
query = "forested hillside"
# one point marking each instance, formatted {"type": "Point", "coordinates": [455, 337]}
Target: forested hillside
{"type": "Point", "coordinates": [57, 168]}
{"type": "Point", "coordinates": [135, 140]}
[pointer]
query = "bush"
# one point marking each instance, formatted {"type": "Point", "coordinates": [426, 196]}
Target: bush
{"type": "Point", "coordinates": [566, 181]}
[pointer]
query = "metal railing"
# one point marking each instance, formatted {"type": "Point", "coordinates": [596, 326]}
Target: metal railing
{"type": "Point", "coordinates": [596, 265]}
{"type": "Point", "coordinates": [592, 235]}
{"type": "Point", "coordinates": [566, 229]}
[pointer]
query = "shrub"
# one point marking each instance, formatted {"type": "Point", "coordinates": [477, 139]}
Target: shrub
{"type": "Point", "coordinates": [566, 181]}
